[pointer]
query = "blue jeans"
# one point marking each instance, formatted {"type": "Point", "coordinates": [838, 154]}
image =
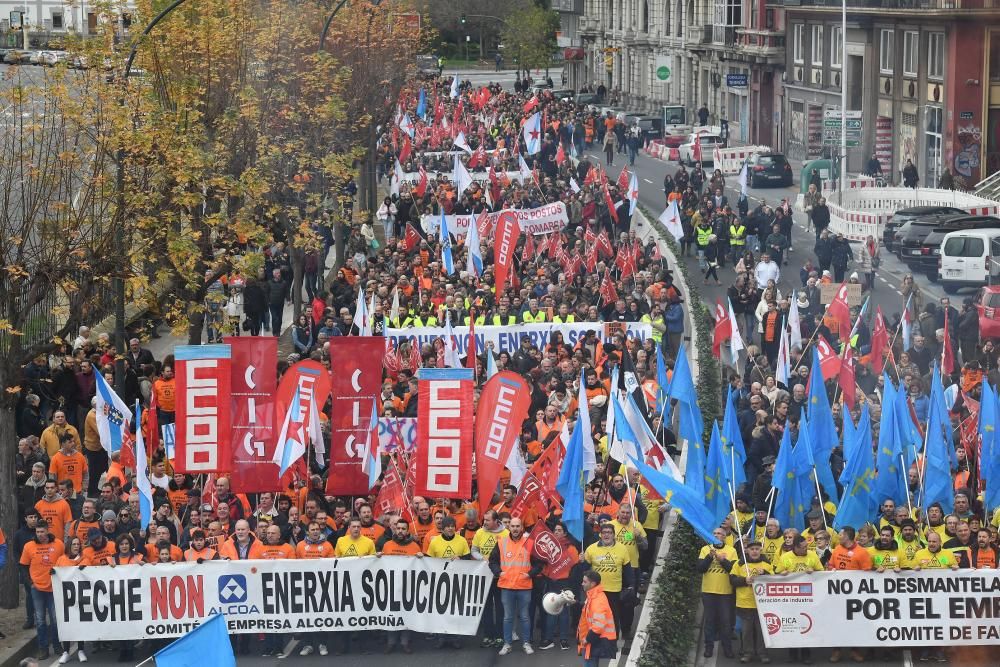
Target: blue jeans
{"type": "Point", "coordinates": [557, 625]}
{"type": "Point", "coordinates": [45, 602]}
{"type": "Point", "coordinates": [752, 243]}
{"type": "Point", "coordinates": [519, 601]}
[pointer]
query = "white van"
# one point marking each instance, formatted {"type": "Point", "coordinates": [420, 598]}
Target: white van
{"type": "Point", "coordinates": [969, 258]}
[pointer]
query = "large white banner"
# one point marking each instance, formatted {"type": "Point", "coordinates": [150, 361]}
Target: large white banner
{"type": "Point", "coordinates": [542, 220]}
{"type": "Point", "coordinates": [927, 608]}
{"type": "Point", "coordinates": [329, 595]}
{"type": "Point", "coordinates": [413, 177]}
{"type": "Point", "coordinates": [508, 339]}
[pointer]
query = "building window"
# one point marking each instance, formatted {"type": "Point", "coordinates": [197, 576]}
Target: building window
{"type": "Point", "coordinates": [57, 20]}
{"type": "Point", "coordinates": [797, 30]}
{"type": "Point", "coordinates": [911, 44]}
{"type": "Point", "coordinates": [836, 47]}
{"type": "Point", "coordinates": [817, 45]}
{"type": "Point", "coordinates": [645, 16]}
{"type": "Point", "coordinates": [935, 55]}
{"type": "Point", "coordinates": [734, 13]}
{"type": "Point", "coordinates": [887, 51]}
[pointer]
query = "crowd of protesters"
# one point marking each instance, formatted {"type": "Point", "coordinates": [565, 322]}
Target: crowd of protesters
{"type": "Point", "coordinates": [78, 507]}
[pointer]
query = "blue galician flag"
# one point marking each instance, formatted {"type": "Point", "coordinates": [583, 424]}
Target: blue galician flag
{"type": "Point", "coordinates": [937, 465]}
{"type": "Point", "coordinates": [717, 482]}
{"type": "Point", "coordinates": [662, 385]}
{"type": "Point", "coordinates": [907, 433]}
{"type": "Point", "coordinates": [890, 483]}
{"type": "Point", "coordinates": [689, 505]}
{"type": "Point", "coordinates": [820, 460]}
{"type": "Point", "coordinates": [208, 644]}
{"type": "Point", "coordinates": [445, 239]}
{"type": "Point", "coordinates": [682, 389]}
{"type": "Point", "coordinates": [732, 440]}
{"type": "Point", "coordinates": [822, 431]}
{"type": "Point", "coordinates": [858, 505]}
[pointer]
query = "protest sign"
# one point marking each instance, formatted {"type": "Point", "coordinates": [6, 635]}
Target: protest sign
{"type": "Point", "coordinates": [856, 608]}
{"type": "Point", "coordinates": [132, 602]}
{"type": "Point", "coordinates": [542, 220]}
{"type": "Point", "coordinates": [508, 338]}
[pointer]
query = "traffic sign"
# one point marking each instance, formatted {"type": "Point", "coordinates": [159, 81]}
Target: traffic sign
{"type": "Point", "coordinates": [737, 80]}
{"type": "Point", "coordinates": [853, 124]}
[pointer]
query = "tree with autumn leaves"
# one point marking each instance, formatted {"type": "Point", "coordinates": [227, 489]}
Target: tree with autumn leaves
{"type": "Point", "coordinates": [238, 130]}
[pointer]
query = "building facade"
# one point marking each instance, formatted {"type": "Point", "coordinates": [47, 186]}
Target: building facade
{"type": "Point", "coordinates": [57, 17]}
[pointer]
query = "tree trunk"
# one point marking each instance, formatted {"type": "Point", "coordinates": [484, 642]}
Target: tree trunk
{"type": "Point", "coordinates": [196, 324]}
{"type": "Point", "coordinates": [9, 587]}
{"type": "Point", "coordinates": [340, 235]}
{"type": "Point", "coordinates": [298, 269]}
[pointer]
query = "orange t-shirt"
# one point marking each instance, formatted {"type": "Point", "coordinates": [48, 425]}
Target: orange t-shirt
{"type": "Point", "coordinates": [394, 548]}
{"type": "Point", "coordinates": [307, 551]}
{"type": "Point", "coordinates": [92, 556]}
{"type": "Point", "coordinates": [56, 513]}
{"type": "Point", "coordinates": [70, 467]}
{"type": "Point", "coordinates": [373, 532]}
{"type": "Point", "coordinates": [40, 559]}
{"type": "Point", "coordinates": [165, 391]}
{"type": "Point", "coordinates": [855, 558]}
{"type": "Point", "coordinates": [80, 528]}
{"type": "Point", "coordinates": [153, 554]}
{"type": "Point", "coordinates": [277, 551]}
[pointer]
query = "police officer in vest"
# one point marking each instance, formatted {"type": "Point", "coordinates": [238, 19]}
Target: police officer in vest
{"type": "Point", "coordinates": [737, 238]}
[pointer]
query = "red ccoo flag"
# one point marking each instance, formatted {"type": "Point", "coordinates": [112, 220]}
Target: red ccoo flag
{"type": "Point", "coordinates": [607, 289]}
{"type": "Point", "coordinates": [421, 186]}
{"type": "Point", "coordinates": [880, 342]}
{"type": "Point", "coordinates": [560, 155]}
{"type": "Point", "coordinates": [947, 352]}
{"type": "Point", "coordinates": [406, 150]}
{"type": "Point", "coordinates": [623, 179]}
{"type": "Point", "coordinates": [611, 205]}
{"type": "Point", "coordinates": [531, 104]}
{"type": "Point", "coordinates": [840, 310]}
{"type": "Point", "coordinates": [829, 360]}
{"type": "Point", "coordinates": [847, 381]}
{"type": "Point", "coordinates": [723, 329]}
{"type": "Point", "coordinates": [411, 239]}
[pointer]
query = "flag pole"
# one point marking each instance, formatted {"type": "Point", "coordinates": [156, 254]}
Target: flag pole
{"type": "Point", "coordinates": [770, 506]}
{"type": "Point", "coordinates": [819, 494]}
{"type": "Point", "coordinates": [906, 482]}
{"type": "Point", "coordinates": [147, 660]}
{"type": "Point", "coordinates": [736, 516]}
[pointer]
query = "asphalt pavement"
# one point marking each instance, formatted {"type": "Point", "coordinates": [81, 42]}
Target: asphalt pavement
{"type": "Point", "coordinates": [889, 276]}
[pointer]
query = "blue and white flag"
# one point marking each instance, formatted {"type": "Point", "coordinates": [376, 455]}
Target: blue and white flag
{"type": "Point", "coordinates": [112, 415]}
{"type": "Point", "coordinates": [454, 85]}
{"type": "Point", "coordinates": [533, 133]}
{"type": "Point", "coordinates": [474, 256]}
{"type": "Point", "coordinates": [422, 103]}
{"type": "Point", "coordinates": [142, 474]}
{"type": "Point", "coordinates": [292, 441]}
{"type": "Point", "coordinates": [371, 461]}
{"type": "Point", "coordinates": [445, 238]}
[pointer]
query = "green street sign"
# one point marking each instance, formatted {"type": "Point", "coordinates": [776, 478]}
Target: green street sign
{"type": "Point", "coordinates": [663, 73]}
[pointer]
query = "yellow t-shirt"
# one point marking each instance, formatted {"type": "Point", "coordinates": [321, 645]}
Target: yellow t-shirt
{"type": "Point", "coordinates": [772, 548]}
{"type": "Point", "coordinates": [652, 521]}
{"type": "Point", "coordinates": [789, 562]}
{"type": "Point", "coordinates": [908, 553]}
{"type": "Point", "coordinates": [716, 579]}
{"type": "Point", "coordinates": [626, 534]}
{"type": "Point", "coordinates": [346, 546]}
{"type": "Point", "coordinates": [889, 559]}
{"type": "Point", "coordinates": [745, 519]}
{"type": "Point", "coordinates": [486, 541]}
{"type": "Point", "coordinates": [608, 562]}
{"type": "Point", "coordinates": [745, 598]}
{"type": "Point", "coordinates": [942, 560]}
{"type": "Point", "coordinates": [811, 537]}
{"type": "Point", "coordinates": [444, 548]}
{"type": "Point", "coordinates": [941, 530]}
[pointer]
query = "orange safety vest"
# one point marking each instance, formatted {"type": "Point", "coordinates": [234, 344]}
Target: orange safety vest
{"type": "Point", "coordinates": [515, 563]}
{"type": "Point", "coordinates": [596, 616]}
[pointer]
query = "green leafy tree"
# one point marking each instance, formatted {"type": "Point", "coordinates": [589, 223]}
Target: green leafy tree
{"type": "Point", "coordinates": [530, 36]}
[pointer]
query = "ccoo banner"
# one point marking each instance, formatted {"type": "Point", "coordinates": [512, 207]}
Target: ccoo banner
{"type": "Point", "coordinates": [132, 602]}
{"type": "Point", "coordinates": [357, 380]}
{"type": "Point", "coordinates": [203, 409]}
{"type": "Point", "coordinates": [444, 432]}
{"type": "Point", "coordinates": [927, 608]}
{"type": "Point", "coordinates": [253, 382]}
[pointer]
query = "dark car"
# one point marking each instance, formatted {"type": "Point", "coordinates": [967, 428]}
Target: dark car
{"type": "Point", "coordinates": [909, 238]}
{"type": "Point", "coordinates": [651, 126]}
{"type": "Point", "coordinates": [769, 169]}
{"type": "Point", "coordinates": [583, 99]}
{"type": "Point", "coordinates": [925, 258]}
{"type": "Point", "coordinates": [904, 215]}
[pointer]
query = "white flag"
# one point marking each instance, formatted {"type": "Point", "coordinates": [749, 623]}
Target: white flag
{"type": "Point", "coordinates": [671, 219]}
{"type": "Point", "coordinates": [743, 179]}
{"type": "Point", "coordinates": [451, 357]}
{"type": "Point", "coordinates": [461, 176]}
{"type": "Point", "coordinates": [736, 339]}
{"type": "Point", "coordinates": [397, 179]}
{"type": "Point", "coordinates": [794, 322]}
{"type": "Point", "coordinates": [460, 142]}
{"type": "Point", "coordinates": [633, 193]}
{"type": "Point", "coordinates": [574, 186]}
{"type": "Point", "coordinates": [524, 171]}
{"type": "Point", "coordinates": [454, 85]}
{"type": "Point", "coordinates": [361, 316]}
{"type": "Point", "coordinates": [316, 431]}
{"type": "Point", "coordinates": [515, 463]}
{"type": "Point", "coordinates": [394, 310]}
{"type": "Point", "coordinates": [783, 361]}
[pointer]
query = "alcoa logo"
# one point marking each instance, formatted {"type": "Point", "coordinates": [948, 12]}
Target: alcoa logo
{"type": "Point", "coordinates": [801, 624]}
{"type": "Point", "coordinates": [232, 588]}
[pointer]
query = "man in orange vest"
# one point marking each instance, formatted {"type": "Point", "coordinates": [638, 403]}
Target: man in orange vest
{"type": "Point", "coordinates": [596, 638]}
{"type": "Point", "coordinates": [515, 567]}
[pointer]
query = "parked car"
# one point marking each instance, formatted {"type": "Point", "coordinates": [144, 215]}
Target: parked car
{"type": "Point", "coordinates": [673, 137]}
{"type": "Point", "coordinates": [651, 127]}
{"type": "Point", "coordinates": [930, 247]}
{"type": "Point", "coordinates": [53, 58]}
{"type": "Point", "coordinates": [708, 142]}
{"type": "Point", "coordinates": [987, 302]}
{"type": "Point", "coordinates": [564, 94]}
{"type": "Point", "coordinates": [17, 57]}
{"type": "Point", "coordinates": [969, 258]}
{"type": "Point", "coordinates": [904, 215]}
{"type": "Point", "coordinates": [909, 238]}
{"type": "Point", "coordinates": [427, 66]}
{"type": "Point", "coordinates": [584, 99]}
{"type": "Point", "coordinates": [769, 169]}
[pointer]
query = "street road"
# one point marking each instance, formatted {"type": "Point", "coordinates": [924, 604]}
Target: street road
{"type": "Point", "coordinates": [890, 274]}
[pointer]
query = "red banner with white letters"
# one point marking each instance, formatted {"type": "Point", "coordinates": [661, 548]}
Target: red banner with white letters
{"type": "Point", "coordinates": [253, 383]}
{"type": "Point", "coordinates": [357, 381]}
{"type": "Point", "coordinates": [503, 406]}
{"type": "Point", "coordinates": [203, 409]}
{"type": "Point", "coordinates": [507, 233]}
{"type": "Point", "coordinates": [554, 551]}
{"type": "Point", "coordinates": [444, 432]}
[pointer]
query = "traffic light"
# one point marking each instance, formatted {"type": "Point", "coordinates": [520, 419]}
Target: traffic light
{"type": "Point", "coordinates": [463, 19]}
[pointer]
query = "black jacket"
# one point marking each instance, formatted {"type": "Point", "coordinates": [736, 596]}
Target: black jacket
{"type": "Point", "coordinates": [821, 216]}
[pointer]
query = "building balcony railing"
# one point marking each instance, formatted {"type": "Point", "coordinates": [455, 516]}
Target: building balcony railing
{"type": "Point", "coordinates": [722, 35]}
{"type": "Point", "coordinates": [898, 4]}
{"type": "Point", "coordinates": [760, 42]}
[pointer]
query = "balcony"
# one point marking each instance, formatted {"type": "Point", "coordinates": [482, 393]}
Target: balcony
{"type": "Point", "coordinates": [722, 35]}
{"type": "Point", "coordinates": [698, 34]}
{"type": "Point", "coordinates": [905, 6]}
{"type": "Point", "coordinates": [766, 45]}
{"type": "Point", "coordinates": [590, 26]}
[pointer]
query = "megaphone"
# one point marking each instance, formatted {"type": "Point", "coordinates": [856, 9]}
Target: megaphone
{"type": "Point", "coordinates": [553, 603]}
